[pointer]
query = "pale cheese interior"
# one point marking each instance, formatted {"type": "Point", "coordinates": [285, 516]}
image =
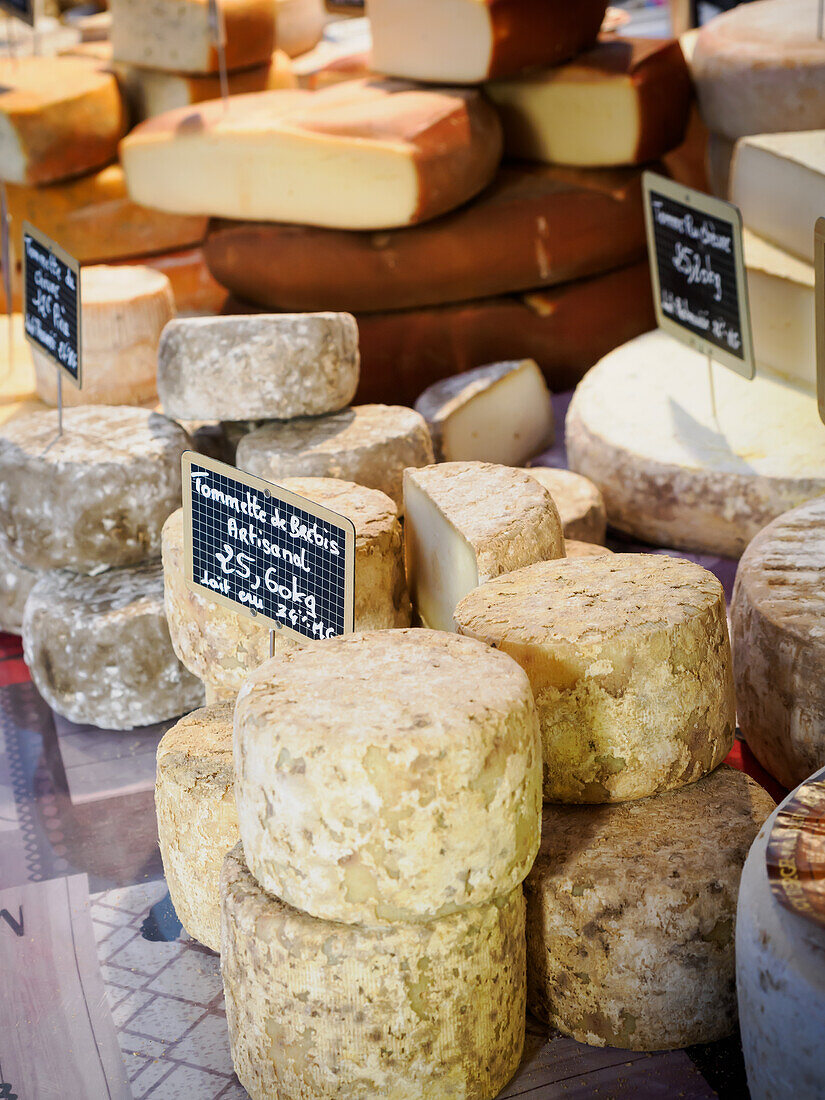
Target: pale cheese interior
{"type": "Point", "coordinates": [425, 39]}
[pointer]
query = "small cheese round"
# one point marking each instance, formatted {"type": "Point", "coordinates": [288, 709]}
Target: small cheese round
{"type": "Point", "coordinates": [580, 504]}
{"type": "Point", "coordinates": [629, 660]}
{"type": "Point", "coordinates": [630, 914]}
{"type": "Point", "coordinates": [391, 775]}
{"type": "Point", "coordinates": [197, 820]}
{"type": "Point", "coordinates": [97, 495]}
{"type": "Point", "coordinates": [575, 549]}
{"type": "Point", "coordinates": [369, 444]}
{"type": "Point", "coordinates": [408, 1011]}
{"type": "Point", "coordinates": [98, 649]}
{"type": "Point", "coordinates": [16, 581]}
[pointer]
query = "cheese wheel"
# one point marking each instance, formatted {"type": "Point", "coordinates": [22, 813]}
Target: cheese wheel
{"type": "Point", "coordinates": [97, 495]}
{"type": "Point", "coordinates": [222, 646]}
{"type": "Point", "coordinates": [375, 801]}
{"type": "Point", "coordinates": [579, 502]}
{"type": "Point", "coordinates": [194, 289]}
{"type": "Point", "coordinates": [270, 366]}
{"type": "Point", "coordinates": [299, 24]}
{"type": "Point", "coordinates": [718, 163]}
{"type": "Point", "coordinates": [408, 1011]}
{"type": "Point", "coordinates": [779, 643]}
{"type": "Point", "coordinates": [575, 549]}
{"type": "Point", "coordinates": [16, 581]}
{"type": "Point", "coordinates": [629, 660]}
{"type": "Point", "coordinates": [98, 648]}
{"type": "Point", "coordinates": [197, 820]}
{"type": "Point", "coordinates": [631, 910]}
{"type": "Point", "coordinates": [642, 427]}
{"type": "Point", "coordinates": [368, 444]}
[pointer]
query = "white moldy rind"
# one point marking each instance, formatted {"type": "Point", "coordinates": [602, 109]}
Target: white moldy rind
{"type": "Point", "coordinates": [406, 1011]}
{"type": "Point", "coordinates": [274, 366]}
{"type": "Point", "coordinates": [629, 661]}
{"type": "Point", "coordinates": [98, 649]}
{"type": "Point", "coordinates": [386, 776]}
{"type": "Point", "coordinates": [631, 910]}
{"type": "Point", "coordinates": [16, 581]}
{"type": "Point", "coordinates": [368, 444]}
{"type": "Point", "coordinates": [94, 497]}
{"type": "Point", "coordinates": [197, 820]}
{"type": "Point", "coordinates": [580, 504]}
{"type": "Point", "coordinates": [778, 624]}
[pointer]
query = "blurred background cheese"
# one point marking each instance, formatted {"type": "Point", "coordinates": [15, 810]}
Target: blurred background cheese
{"type": "Point", "coordinates": [16, 581]}
{"type": "Point", "coordinates": [299, 25]}
{"type": "Point", "coordinates": [579, 502]}
{"type": "Point", "coordinates": [718, 160]}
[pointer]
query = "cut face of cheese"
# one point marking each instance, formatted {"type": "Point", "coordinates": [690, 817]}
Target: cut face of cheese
{"type": "Point", "coordinates": [467, 41]}
{"type": "Point", "coordinates": [16, 582]}
{"type": "Point", "coordinates": [466, 522]}
{"type": "Point", "coordinates": [626, 101]}
{"type": "Point", "coordinates": [360, 155]}
{"type": "Point", "coordinates": [580, 504]}
{"type": "Point", "coordinates": [500, 413]}
{"type": "Point", "coordinates": [299, 25]}
{"type": "Point", "coordinates": [378, 802]}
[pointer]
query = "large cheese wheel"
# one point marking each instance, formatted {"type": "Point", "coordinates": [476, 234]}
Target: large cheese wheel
{"type": "Point", "coordinates": [197, 821]}
{"type": "Point", "coordinates": [95, 496]}
{"type": "Point", "coordinates": [642, 427]}
{"type": "Point", "coordinates": [779, 643]}
{"type": "Point", "coordinates": [363, 797]}
{"type": "Point", "coordinates": [98, 648]}
{"type": "Point", "coordinates": [629, 660]}
{"type": "Point", "coordinates": [580, 504]}
{"type": "Point", "coordinates": [16, 581]}
{"type": "Point", "coordinates": [409, 1011]}
{"type": "Point", "coordinates": [631, 910]}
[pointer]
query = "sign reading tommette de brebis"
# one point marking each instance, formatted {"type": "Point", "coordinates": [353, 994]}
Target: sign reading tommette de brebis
{"type": "Point", "coordinates": [700, 290]}
{"type": "Point", "coordinates": [51, 305]}
{"type": "Point", "coordinates": [257, 548]}
{"type": "Point", "coordinates": [22, 9]}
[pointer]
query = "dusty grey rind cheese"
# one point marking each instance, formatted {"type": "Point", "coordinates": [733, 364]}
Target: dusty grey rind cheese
{"type": "Point", "coordinates": [629, 660]}
{"type": "Point", "coordinates": [501, 412]}
{"type": "Point", "coordinates": [99, 652]}
{"type": "Point", "coordinates": [222, 646]}
{"type": "Point", "coordinates": [778, 622]}
{"type": "Point", "coordinates": [264, 367]}
{"type": "Point", "coordinates": [631, 910]}
{"type": "Point", "coordinates": [369, 444]}
{"type": "Point", "coordinates": [363, 798]}
{"type": "Point", "coordinates": [575, 549]}
{"type": "Point", "coordinates": [467, 522]}
{"type": "Point", "coordinates": [580, 504]}
{"type": "Point", "coordinates": [409, 1011]}
{"type": "Point", "coordinates": [16, 581]}
{"type": "Point", "coordinates": [98, 495]}
{"type": "Point", "coordinates": [197, 820]}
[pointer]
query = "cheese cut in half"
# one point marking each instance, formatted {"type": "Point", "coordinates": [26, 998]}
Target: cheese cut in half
{"type": "Point", "coordinates": [499, 413]}
{"type": "Point", "coordinates": [59, 117]}
{"type": "Point", "coordinates": [629, 660]}
{"type": "Point", "coordinates": [642, 427]}
{"type": "Point", "coordinates": [222, 647]}
{"type": "Point", "coordinates": [16, 581]}
{"type": "Point", "coordinates": [409, 1011]}
{"type": "Point", "coordinates": [575, 549]}
{"type": "Point", "coordinates": [124, 312]}
{"type": "Point", "coordinates": [779, 644]}
{"type": "Point", "coordinates": [360, 155]}
{"type": "Point", "coordinates": [580, 504]}
{"type": "Point", "coordinates": [467, 522]}
{"type": "Point", "coordinates": [177, 37]}
{"type": "Point", "coordinates": [467, 41]}
{"type": "Point", "coordinates": [194, 289]}
{"type": "Point", "coordinates": [299, 25]}
{"type": "Point", "coordinates": [379, 801]}
{"type": "Point", "coordinates": [631, 911]}
{"type": "Point", "coordinates": [197, 820]}
{"type": "Point", "coordinates": [718, 164]}
{"type": "Point", "coordinates": [626, 101]}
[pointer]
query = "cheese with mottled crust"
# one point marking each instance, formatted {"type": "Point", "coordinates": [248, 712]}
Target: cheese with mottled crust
{"type": "Point", "coordinates": [580, 504]}
{"type": "Point", "coordinates": [16, 581]}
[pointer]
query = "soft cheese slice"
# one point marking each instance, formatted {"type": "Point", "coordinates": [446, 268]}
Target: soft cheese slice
{"type": "Point", "coordinates": [580, 504]}
{"type": "Point", "coordinates": [360, 155]}
{"type": "Point", "coordinates": [59, 117]}
{"type": "Point", "coordinates": [467, 41]}
{"type": "Point", "coordinates": [466, 522]}
{"type": "Point", "coordinates": [499, 413]}
{"type": "Point", "coordinates": [16, 582]}
{"type": "Point", "coordinates": [299, 25]}
{"type": "Point", "coordinates": [408, 1011]}
{"type": "Point", "coordinates": [626, 101]}
{"type": "Point", "coordinates": [376, 801]}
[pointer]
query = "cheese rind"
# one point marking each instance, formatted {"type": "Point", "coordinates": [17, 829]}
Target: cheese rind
{"type": "Point", "coordinates": [629, 660]}
{"type": "Point", "coordinates": [630, 915]}
{"type": "Point", "coordinates": [16, 581]}
{"type": "Point", "coordinates": [580, 504]}
{"type": "Point", "coordinates": [405, 1011]}
{"type": "Point", "coordinates": [379, 801]}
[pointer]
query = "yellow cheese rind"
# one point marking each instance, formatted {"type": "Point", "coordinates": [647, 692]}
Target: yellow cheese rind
{"type": "Point", "coordinates": [580, 504]}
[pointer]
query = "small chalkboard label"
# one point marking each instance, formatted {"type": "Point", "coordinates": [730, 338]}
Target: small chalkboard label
{"type": "Point", "coordinates": [22, 9]}
{"type": "Point", "coordinates": [51, 306]}
{"type": "Point", "coordinates": [258, 548]}
{"type": "Point", "coordinates": [700, 290]}
{"type": "Point", "coordinates": [819, 267]}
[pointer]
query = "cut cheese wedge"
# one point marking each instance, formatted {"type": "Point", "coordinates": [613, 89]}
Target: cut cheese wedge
{"type": "Point", "coordinates": [580, 504]}
{"type": "Point", "coordinates": [360, 155]}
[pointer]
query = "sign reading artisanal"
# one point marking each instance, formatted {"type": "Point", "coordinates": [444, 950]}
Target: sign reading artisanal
{"type": "Point", "coordinates": [796, 852]}
{"type": "Point", "coordinates": [51, 303]}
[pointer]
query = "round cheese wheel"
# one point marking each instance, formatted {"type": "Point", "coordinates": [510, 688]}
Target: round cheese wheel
{"type": "Point", "coordinates": [16, 581]}
{"type": "Point", "coordinates": [575, 549]}
{"type": "Point", "coordinates": [580, 504]}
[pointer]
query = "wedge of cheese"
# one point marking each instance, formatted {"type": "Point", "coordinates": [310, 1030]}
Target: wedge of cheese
{"type": "Point", "coordinates": [360, 155]}
{"type": "Point", "coordinates": [580, 504]}
{"type": "Point", "coordinates": [626, 101]}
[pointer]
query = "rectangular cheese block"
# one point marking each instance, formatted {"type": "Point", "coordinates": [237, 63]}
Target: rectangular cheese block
{"type": "Point", "coordinates": [626, 101]}
{"type": "Point", "coordinates": [359, 155]}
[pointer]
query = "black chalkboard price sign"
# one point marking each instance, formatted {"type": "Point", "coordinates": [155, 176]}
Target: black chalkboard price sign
{"type": "Point", "coordinates": [700, 291]}
{"type": "Point", "coordinates": [51, 306]}
{"type": "Point", "coordinates": [22, 9]}
{"type": "Point", "coordinates": [259, 549]}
